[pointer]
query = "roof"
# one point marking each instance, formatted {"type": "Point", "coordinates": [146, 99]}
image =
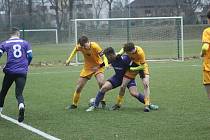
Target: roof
{"type": "Point", "coordinates": [149, 3]}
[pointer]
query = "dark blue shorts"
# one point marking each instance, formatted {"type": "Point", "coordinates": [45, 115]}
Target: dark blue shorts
{"type": "Point", "coordinates": [116, 82]}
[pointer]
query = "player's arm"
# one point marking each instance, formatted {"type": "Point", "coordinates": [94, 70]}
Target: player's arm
{"type": "Point", "coordinates": [105, 61]}
{"type": "Point", "coordinates": [138, 68]}
{"type": "Point", "coordinates": [120, 52]}
{"type": "Point", "coordinates": [29, 56]}
{"type": "Point", "coordinates": [204, 49]}
{"type": "Point", "coordinates": [1, 52]}
{"type": "Point", "coordinates": [103, 64]}
{"type": "Point", "coordinates": [73, 53]}
{"type": "Point", "coordinates": [1, 49]}
{"type": "Point", "coordinates": [141, 64]}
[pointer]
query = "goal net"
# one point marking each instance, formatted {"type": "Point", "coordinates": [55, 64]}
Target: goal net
{"type": "Point", "coordinates": [160, 37]}
{"type": "Point", "coordinates": [40, 35]}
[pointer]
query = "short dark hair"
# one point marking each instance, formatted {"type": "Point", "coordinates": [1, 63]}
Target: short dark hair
{"type": "Point", "coordinates": [108, 51]}
{"type": "Point", "coordinates": [128, 47]}
{"type": "Point", "coordinates": [14, 30]}
{"type": "Point", "coordinates": [82, 40]}
{"type": "Point", "coordinates": [208, 14]}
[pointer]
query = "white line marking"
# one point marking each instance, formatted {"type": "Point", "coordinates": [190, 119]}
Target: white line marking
{"type": "Point", "coordinates": [77, 71]}
{"type": "Point", "coordinates": [53, 72]}
{"type": "Point", "coordinates": [30, 128]}
{"type": "Point", "coordinates": [196, 65]}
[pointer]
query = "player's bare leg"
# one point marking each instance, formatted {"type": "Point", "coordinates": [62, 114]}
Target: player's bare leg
{"type": "Point", "coordinates": [100, 79]}
{"type": "Point", "coordinates": [80, 85]}
{"type": "Point", "coordinates": [207, 87]}
{"type": "Point", "coordinates": [145, 82]}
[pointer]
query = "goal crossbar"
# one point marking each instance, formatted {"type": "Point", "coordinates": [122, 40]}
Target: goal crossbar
{"type": "Point", "coordinates": [43, 30]}
{"type": "Point", "coordinates": [142, 18]}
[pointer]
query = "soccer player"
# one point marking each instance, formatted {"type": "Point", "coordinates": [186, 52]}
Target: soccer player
{"type": "Point", "coordinates": [120, 64]}
{"type": "Point", "coordinates": [93, 58]}
{"type": "Point", "coordinates": [19, 56]}
{"type": "Point", "coordinates": [137, 55]}
{"type": "Point", "coordinates": [205, 53]}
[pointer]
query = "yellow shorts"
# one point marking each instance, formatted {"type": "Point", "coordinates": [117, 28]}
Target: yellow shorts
{"type": "Point", "coordinates": [87, 73]}
{"type": "Point", "coordinates": [132, 74]}
{"type": "Point", "coordinates": [206, 77]}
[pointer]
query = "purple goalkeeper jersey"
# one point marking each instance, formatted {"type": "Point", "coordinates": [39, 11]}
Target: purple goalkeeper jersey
{"type": "Point", "coordinates": [16, 49]}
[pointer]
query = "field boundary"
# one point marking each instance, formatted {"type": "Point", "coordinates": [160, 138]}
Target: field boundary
{"type": "Point", "coordinates": [30, 128]}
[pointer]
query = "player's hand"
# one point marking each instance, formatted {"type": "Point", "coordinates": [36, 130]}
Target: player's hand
{"type": "Point", "coordinates": [67, 63]}
{"type": "Point", "coordinates": [118, 56]}
{"type": "Point", "coordinates": [142, 74]}
{"type": "Point", "coordinates": [202, 54]}
{"type": "Point", "coordinates": [108, 66]}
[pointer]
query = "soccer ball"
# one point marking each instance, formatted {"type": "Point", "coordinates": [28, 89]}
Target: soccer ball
{"type": "Point", "coordinates": [91, 102]}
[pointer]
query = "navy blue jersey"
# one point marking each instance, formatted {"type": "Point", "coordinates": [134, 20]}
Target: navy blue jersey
{"type": "Point", "coordinates": [17, 50]}
{"type": "Point", "coordinates": [121, 65]}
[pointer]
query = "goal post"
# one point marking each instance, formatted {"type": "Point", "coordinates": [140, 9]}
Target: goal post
{"type": "Point", "coordinates": [41, 35]}
{"type": "Point", "coordinates": [160, 37]}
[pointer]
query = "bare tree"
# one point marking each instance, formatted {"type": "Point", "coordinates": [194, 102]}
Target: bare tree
{"type": "Point", "coordinates": [9, 8]}
{"type": "Point", "coordinates": [63, 10]}
{"type": "Point", "coordinates": [110, 15]}
{"type": "Point", "coordinates": [13, 9]}
{"type": "Point", "coordinates": [188, 7]}
{"type": "Point", "coordinates": [71, 3]}
{"type": "Point", "coordinates": [30, 11]}
{"type": "Point", "coordinates": [98, 5]}
{"type": "Point", "coordinates": [84, 9]}
{"type": "Point", "coordinates": [110, 7]}
{"type": "Point", "coordinates": [3, 5]}
{"type": "Point", "coordinates": [43, 11]}
{"type": "Point", "coordinates": [30, 7]}
{"type": "Point", "coordinates": [54, 4]}
{"type": "Point", "coordinates": [118, 8]}
{"type": "Point", "coordinates": [58, 6]}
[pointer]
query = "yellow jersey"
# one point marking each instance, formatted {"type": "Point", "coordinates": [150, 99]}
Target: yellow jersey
{"type": "Point", "coordinates": [92, 56]}
{"type": "Point", "coordinates": [139, 56]}
{"type": "Point", "coordinates": [206, 39]}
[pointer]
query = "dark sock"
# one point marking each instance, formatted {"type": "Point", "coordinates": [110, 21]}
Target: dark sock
{"type": "Point", "coordinates": [99, 97]}
{"type": "Point", "coordinates": [140, 97]}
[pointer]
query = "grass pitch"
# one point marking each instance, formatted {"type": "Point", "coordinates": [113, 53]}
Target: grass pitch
{"type": "Point", "coordinates": [175, 86]}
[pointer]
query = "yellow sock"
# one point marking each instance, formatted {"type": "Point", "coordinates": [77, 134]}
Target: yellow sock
{"type": "Point", "coordinates": [76, 98]}
{"type": "Point", "coordinates": [119, 99]}
{"type": "Point", "coordinates": [146, 101]}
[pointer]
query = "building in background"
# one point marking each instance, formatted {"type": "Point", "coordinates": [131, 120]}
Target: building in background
{"type": "Point", "coordinates": [167, 8]}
